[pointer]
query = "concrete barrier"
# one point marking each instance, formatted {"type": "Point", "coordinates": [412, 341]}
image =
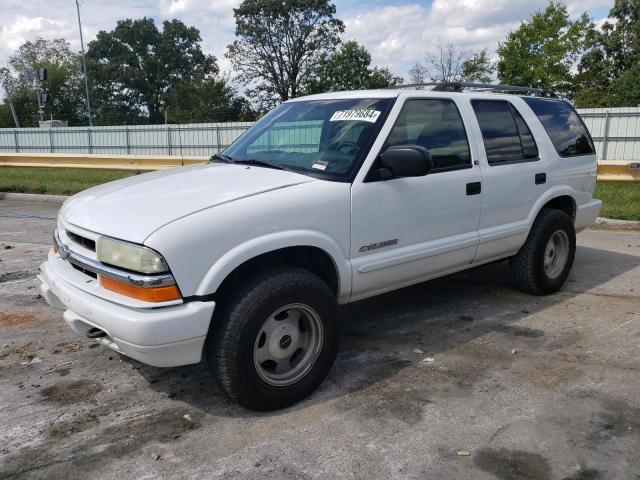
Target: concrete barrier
{"type": "Point", "coordinates": [619, 172]}
{"type": "Point", "coordinates": [101, 162]}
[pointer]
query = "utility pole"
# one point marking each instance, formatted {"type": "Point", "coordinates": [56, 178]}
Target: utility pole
{"type": "Point", "coordinates": [84, 65]}
{"type": "Point", "coordinates": [7, 87]}
{"type": "Point", "coordinates": [14, 114]}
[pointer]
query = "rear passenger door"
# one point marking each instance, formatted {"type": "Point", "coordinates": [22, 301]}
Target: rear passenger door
{"type": "Point", "coordinates": [407, 229]}
{"type": "Point", "coordinates": [513, 177]}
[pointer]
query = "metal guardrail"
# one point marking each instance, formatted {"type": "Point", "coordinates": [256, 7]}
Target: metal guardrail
{"type": "Point", "coordinates": [610, 171]}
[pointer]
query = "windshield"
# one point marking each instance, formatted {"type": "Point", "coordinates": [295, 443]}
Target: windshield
{"type": "Point", "coordinates": [323, 138]}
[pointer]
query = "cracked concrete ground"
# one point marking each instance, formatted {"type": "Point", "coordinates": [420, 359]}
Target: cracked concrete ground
{"type": "Point", "coordinates": [461, 377]}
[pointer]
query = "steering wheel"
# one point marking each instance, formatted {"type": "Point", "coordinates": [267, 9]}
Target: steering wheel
{"type": "Point", "coordinates": [352, 147]}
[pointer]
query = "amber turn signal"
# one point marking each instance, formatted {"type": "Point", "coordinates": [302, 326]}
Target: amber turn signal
{"type": "Point", "coordinates": [153, 294]}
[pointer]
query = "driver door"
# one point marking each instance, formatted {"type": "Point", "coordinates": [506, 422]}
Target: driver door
{"type": "Point", "coordinates": [405, 230]}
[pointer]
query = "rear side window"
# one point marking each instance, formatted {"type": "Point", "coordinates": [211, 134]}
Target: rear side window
{"type": "Point", "coordinates": [507, 138]}
{"type": "Point", "coordinates": [437, 126]}
{"type": "Point", "coordinates": [565, 128]}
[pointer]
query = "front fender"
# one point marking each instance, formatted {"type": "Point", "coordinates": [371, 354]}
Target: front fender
{"type": "Point", "coordinates": [276, 241]}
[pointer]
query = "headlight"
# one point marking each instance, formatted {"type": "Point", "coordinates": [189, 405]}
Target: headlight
{"type": "Point", "coordinates": [129, 256]}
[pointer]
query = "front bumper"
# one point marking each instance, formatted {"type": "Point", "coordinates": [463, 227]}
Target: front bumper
{"type": "Point", "coordinates": [163, 337]}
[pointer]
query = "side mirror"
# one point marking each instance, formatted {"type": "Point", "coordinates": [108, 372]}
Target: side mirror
{"type": "Point", "coordinates": [405, 161]}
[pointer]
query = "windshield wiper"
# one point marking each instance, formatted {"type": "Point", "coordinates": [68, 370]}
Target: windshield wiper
{"type": "Point", "coordinates": [220, 157]}
{"type": "Point", "coordinates": [258, 163]}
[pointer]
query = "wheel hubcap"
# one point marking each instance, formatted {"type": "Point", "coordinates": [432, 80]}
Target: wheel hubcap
{"type": "Point", "coordinates": [288, 344]}
{"type": "Point", "coordinates": [556, 254]}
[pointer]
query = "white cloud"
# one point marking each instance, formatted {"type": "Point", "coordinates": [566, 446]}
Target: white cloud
{"type": "Point", "coordinates": [398, 36]}
{"type": "Point", "coordinates": [194, 6]}
{"type": "Point", "coordinates": [22, 28]}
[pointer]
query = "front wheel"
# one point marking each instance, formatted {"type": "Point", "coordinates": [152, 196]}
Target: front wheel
{"type": "Point", "coordinates": [276, 339]}
{"type": "Point", "coordinates": [543, 264]}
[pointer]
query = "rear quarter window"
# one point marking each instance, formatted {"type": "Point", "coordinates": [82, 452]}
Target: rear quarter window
{"type": "Point", "coordinates": [566, 129]}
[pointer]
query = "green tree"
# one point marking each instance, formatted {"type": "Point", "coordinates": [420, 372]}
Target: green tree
{"type": "Point", "coordinates": [543, 50]}
{"type": "Point", "coordinates": [278, 43]}
{"type": "Point", "coordinates": [382, 77]}
{"type": "Point", "coordinates": [607, 73]}
{"type": "Point", "coordinates": [207, 100]}
{"type": "Point", "coordinates": [136, 68]}
{"type": "Point", "coordinates": [626, 88]}
{"type": "Point", "coordinates": [348, 68]}
{"type": "Point", "coordinates": [478, 67]}
{"type": "Point", "coordinates": [17, 93]}
{"type": "Point", "coordinates": [63, 85]}
{"type": "Point", "coordinates": [6, 119]}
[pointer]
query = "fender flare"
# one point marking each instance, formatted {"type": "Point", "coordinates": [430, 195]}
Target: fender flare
{"type": "Point", "coordinates": [276, 241]}
{"type": "Point", "coordinates": [547, 196]}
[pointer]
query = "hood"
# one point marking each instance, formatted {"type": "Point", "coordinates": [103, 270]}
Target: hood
{"type": "Point", "coordinates": [133, 208]}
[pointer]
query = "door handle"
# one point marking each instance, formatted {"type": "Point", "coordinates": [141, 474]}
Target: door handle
{"type": "Point", "coordinates": [474, 188]}
{"type": "Point", "coordinates": [541, 178]}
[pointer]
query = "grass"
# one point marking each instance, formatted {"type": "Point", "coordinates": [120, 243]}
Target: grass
{"type": "Point", "coordinates": [54, 181]}
{"type": "Point", "coordinates": [621, 201]}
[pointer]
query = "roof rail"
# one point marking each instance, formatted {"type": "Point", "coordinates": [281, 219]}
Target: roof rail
{"type": "Point", "coordinates": [460, 86]}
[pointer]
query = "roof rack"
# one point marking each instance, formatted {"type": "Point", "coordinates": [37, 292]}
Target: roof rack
{"type": "Point", "coordinates": [460, 86]}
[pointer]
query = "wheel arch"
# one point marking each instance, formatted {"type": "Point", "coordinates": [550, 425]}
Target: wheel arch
{"type": "Point", "coordinates": [561, 198]}
{"type": "Point", "coordinates": [564, 203]}
{"type": "Point", "coordinates": [313, 251]}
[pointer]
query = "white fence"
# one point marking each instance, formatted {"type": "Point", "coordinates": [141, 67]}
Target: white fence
{"type": "Point", "coordinates": [615, 131]}
{"type": "Point", "coordinates": [189, 139]}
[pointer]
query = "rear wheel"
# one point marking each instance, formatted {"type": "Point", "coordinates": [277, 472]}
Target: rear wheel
{"type": "Point", "coordinates": [543, 263]}
{"type": "Point", "coordinates": [276, 338]}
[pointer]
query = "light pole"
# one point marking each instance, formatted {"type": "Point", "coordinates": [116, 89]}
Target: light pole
{"type": "Point", "coordinates": [84, 65]}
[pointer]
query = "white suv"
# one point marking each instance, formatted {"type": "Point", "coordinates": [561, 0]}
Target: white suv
{"type": "Point", "coordinates": [326, 200]}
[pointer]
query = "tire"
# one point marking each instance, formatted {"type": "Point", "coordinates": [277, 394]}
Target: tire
{"type": "Point", "coordinates": [543, 263]}
{"type": "Point", "coordinates": [249, 336]}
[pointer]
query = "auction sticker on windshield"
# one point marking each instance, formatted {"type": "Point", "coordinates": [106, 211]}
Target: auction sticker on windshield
{"type": "Point", "coordinates": [356, 115]}
{"type": "Point", "coordinates": [320, 165]}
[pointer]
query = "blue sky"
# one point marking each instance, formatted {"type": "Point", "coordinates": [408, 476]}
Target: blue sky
{"type": "Point", "coordinates": [396, 32]}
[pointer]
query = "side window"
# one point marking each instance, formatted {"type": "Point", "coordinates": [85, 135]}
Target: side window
{"type": "Point", "coordinates": [529, 147]}
{"type": "Point", "coordinates": [437, 126]}
{"type": "Point", "coordinates": [565, 128]}
{"type": "Point", "coordinates": [507, 138]}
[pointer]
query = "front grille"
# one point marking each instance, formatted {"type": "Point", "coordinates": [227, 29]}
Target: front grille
{"type": "Point", "coordinates": [83, 241]}
{"type": "Point", "coordinates": [85, 271]}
